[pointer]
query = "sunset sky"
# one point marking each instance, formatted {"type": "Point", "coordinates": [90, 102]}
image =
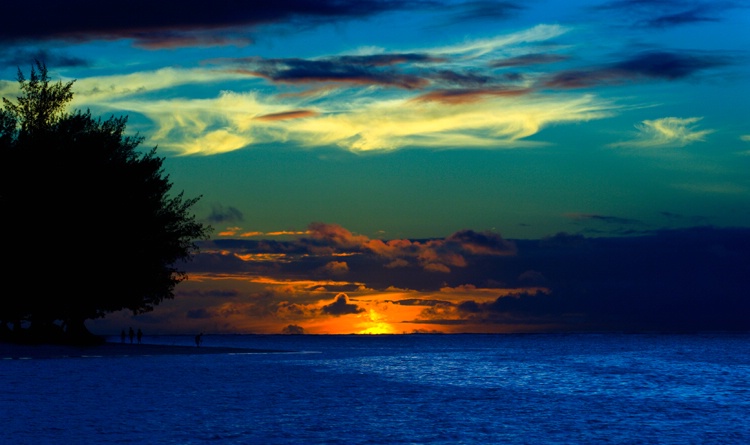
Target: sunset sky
{"type": "Point", "coordinates": [429, 166]}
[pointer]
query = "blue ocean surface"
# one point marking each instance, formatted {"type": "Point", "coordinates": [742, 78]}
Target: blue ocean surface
{"type": "Point", "coordinates": [391, 389]}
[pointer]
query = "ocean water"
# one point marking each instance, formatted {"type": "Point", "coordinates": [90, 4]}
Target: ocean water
{"type": "Point", "coordinates": [400, 389]}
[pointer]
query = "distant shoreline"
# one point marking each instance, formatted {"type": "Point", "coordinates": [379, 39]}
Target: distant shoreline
{"type": "Point", "coordinates": [13, 351]}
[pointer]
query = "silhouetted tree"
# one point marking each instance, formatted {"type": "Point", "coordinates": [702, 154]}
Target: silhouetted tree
{"type": "Point", "coordinates": [89, 225]}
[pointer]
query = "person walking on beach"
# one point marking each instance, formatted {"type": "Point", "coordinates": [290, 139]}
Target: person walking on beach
{"type": "Point", "coordinates": [131, 334]}
{"type": "Point", "coordinates": [140, 335]}
{"type": "Point", "coordinates": [122, 336]}
{"type": "Point", "coordinates": [199, 339]}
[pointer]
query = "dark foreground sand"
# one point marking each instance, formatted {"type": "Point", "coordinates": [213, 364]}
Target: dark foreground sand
{"type": "Point", "coordinates": [10, 351]}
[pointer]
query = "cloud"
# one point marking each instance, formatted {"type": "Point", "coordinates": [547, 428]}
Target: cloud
{"type": "Point", "coordinates": [692, 279]}
{"type": "Point", "coordinates": [684, 280]}
{"type": "Point", "coordinates": [284, 115]}
{"type": "Point", "coordinates": [438, 98]}
{"type": "Point", "coordinates": [341, 306]}
{"type": "Point", "coordinates": [482, 243]}
{"type": "Point", "coordinates": [335, 71]}
{"type": "Point", "coordinates": [666, 132]}
{"type": "Point", "coordinates": [602, 218]}
{"type": "Point", "coordinates": [293, 329]}
{"type": "Point", "coordinates": [230, 122]}
{"type": "Point", "coordinates": [528, 59]}
{"type": "Point", "coordinates": [329, 242]}
{"type": "Point", "coordinates": [476, 10]}
{"type": "Point", "coordinates": [465, 96]}
{"type": "Point", "coordinates": [336, 267]}
{"type": "Point", "coordinates": [660, 65]}
{"type": "Point", "coordinates": [172, 23]}
{"type": "Point", "coordinates": [668, 13]}
{"type": "Point", "coordinates": [221, 214]}
{"type": "Point", "coordinates": [387, 125]}
{"type": "Point", "coordinates": [481, 47]}
{"type": "Point", "coordinates": [436, 255]}
{"type": "Point", "coordinates": [106, 91]}
{"type": "Point", "coordinates": [23, 58]}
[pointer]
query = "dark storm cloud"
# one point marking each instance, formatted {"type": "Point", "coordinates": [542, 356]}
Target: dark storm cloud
{"type": "Point", "coordinates": [341, 306]}
{"type": "Point", "coordinates": [388, 59]}
{"type": "Point", "coordinates": [483, 10]}
{"type": "Point", "coordinates": [221, 214]}
{"type": "Point", "coordinates": [701, 13]}
{"type": "Point", "coordinates": [663, 65]}
{"type": "Point", "coordinates": [695, 220]}
{"type": "Point", "coordinates": [159, 23]}
{"type": "Point", "coordinates": [330, 70]}
{"type": "Point", "coordinates": [668, 65]}
{"type": "Point", "coordinates": [667, 13]}
{"type": "Point", "coordinates": [676, 280]}
{"type": "Point", "coordinates": [465, 79]}
{"type": "Point", "coordinates": [25, 58]}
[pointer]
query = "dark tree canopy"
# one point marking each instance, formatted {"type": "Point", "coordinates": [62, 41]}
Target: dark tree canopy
{"type": "Point", "coordinates": [89, 224]}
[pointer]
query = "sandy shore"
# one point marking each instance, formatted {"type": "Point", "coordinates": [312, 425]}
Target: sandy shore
{"type": "Point", "coordinates": [9, 351]}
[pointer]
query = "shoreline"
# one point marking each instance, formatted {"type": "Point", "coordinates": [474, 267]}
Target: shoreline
{"type": "Point", "coordinates": [13, 351]}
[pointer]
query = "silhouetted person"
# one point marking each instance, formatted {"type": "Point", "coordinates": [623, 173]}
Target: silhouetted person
{"type": "Point", "coordinates": [122, 336]}
{"type": "Point", "coordinates": [140, 335]}
{"type": "Point", "coordinates": [131, 334]}
{"type": "Point", "coordinates": [199, 339]}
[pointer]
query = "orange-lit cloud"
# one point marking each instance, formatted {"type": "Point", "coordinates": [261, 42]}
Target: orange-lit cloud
{"type": "Point", "coordinates": [464, 96]}
{"type": "Point", "coordinates": [466, 282]}
{"type": "Point", "coordinates": [284, 115]}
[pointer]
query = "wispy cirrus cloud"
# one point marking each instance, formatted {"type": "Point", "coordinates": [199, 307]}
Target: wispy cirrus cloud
{"type": "Point", "coordinates": [284, 115]}
{"type": "Point", "coordinates": [104, 90]}
{"type": "Point", "coordinates": [445, 97]}
{"type": "Point", "coordinates": [478, 48]}
{"type": "Point", "coordinates": [235, 120]}
{"type": "Point", "coordinates": [666, 132]}
{"type": "Point", "coordinates": [527, 60]}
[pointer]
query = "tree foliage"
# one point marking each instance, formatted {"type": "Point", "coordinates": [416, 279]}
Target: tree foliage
{"type": "Point", "coordinates": [89, 223]}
